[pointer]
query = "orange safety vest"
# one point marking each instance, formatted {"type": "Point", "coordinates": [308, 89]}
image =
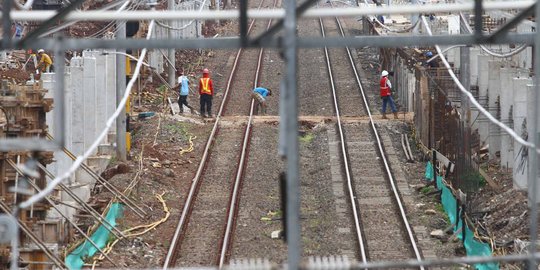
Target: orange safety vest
{"type": "Point", "coordinates": [205, 82]}
{"type": "Point", "coordinates": [385, 90]}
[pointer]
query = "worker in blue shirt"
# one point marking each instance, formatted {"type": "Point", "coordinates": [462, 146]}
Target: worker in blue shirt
{"type": "Point", "coordinates": [259, 94]}
{"type": "Point", "coordinates": [183, 85]}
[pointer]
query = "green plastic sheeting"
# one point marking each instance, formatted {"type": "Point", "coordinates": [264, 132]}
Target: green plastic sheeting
{"type": "Point", "coordinates": [429, 171]}
{"type": "Point", "coordinates": [75, 260]}
{"type": "Point", "coordinates": [472, 246]}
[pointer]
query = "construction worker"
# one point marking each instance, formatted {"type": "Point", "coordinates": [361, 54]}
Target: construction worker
{"type": "Point", "coordinates": [259, 94]}
{"type": "Point", "coordinates": [183, 87]}
{"type": "Point", "coordinates": [45, 61]}
{"type": "Point", "coordinates": [386, 95]}
{"type": "Point", "coordinates": [206, 91]}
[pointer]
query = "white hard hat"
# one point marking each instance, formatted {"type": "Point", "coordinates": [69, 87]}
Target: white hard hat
{"type": "Point", "coordinates": [40, 51]}
{"type": "Point", "coordinates": [384, 73]}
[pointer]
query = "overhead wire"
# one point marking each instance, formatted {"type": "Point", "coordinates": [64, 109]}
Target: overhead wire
{"type": "Point", "coordinates": [473, 100]}
{"type": "Point", "coordinates": [77, 163]}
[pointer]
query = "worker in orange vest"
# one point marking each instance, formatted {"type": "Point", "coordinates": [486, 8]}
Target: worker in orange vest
{"type": "Point", "coordinates": [206, 91]}
{"type": "Point", "coordinates": [386, 95]}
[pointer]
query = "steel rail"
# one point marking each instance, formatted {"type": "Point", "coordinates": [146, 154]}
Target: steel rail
{"type": "Point", "coordinates": [352, 196]}
{"type": "Point", "coordinates": [188, 205]}
{"type": "Point", "coordinates": [395, 191]}
{"type": "Point", "coordinates": [233, 210]}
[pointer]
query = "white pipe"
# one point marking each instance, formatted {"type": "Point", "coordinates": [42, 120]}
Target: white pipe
{"type": "Point", "coordinates": [263, 14]}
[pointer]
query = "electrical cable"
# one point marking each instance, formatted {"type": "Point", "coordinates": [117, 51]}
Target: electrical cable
{"type": "Point", "coordinates": [77, 163]}
{"type": "Point", "coordinates": [508, 130]}
{"type": "Point", "coordinates": [486, 49]}
{"type": "Point", "coordinates": [185, 25]}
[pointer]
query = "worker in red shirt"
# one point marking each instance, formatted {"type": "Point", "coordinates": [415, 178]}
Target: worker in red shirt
{"type": "Point", "coordinates": [206, 91]}
{"type": "Point", "coordinates": [386, 95]}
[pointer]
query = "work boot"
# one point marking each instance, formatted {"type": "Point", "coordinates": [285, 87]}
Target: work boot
{"type": "Point", "coordinates": [395, 115]}
{"type": "Point", "coordinates": [384, 116]}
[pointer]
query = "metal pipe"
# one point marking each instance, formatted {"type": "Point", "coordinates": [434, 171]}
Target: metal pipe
{"type": "Point", "coordinates": [289, 46]}
{"type": "Point", "coordinates": [121, 151]}
{"type": "Point", "coordinates": [532, 177]}
{"type": "Point", "coordinates": [6, 22]}
{"type": "Point", "coordinates": [264, 14]}
{"type": "Point", "coordinates": [306, 42]}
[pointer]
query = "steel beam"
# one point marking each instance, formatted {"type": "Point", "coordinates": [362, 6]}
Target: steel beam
{"type": "Point", "coordinates": [6, 22]}
{"type": "Point", "coordinates": [478, 25]}
{"type": "Point", "coordinates": [267, 13]}
{"type": "Point", "coordinates": [243, 23]}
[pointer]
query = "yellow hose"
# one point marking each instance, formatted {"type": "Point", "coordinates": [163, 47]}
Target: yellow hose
{"type": "Point", "coordinates": [190, 148]}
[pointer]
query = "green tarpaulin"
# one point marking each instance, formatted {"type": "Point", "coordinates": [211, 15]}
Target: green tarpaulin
{"type": "Point", "coordinates": [75, 260]}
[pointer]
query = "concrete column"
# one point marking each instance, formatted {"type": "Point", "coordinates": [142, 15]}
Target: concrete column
{"type": "Point", "coordinates": [507, 102]}
{"type": "Point", "coordinates": [481, 123]}
{"type": "Point", "coordinates": [521, 103]}
{"type": "Point", "coordinates": [101, 93]}
{"type": "Point", "coordinates": [77, 122]}
{"type": "Point", "coordinates": [110, 85]}
{"type": "Point", "coordinates": [474, 53]}
{"type": "Point", "coordinates": [530, 115]}
{"type": "Point", "coordinates": [89, 94]}
{"type": "Point", "coordinates": [494, 89]}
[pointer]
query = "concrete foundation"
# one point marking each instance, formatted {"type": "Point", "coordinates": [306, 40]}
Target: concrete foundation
{"type": "Point", "coordinates": [520, 127]}
{"type": "Point", "coordinates": [494, 89]}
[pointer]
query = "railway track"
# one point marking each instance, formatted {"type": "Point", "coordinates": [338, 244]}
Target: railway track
{"type": "Point", "coordinates": [381, 228]}
{"type": "Point", "coordinates": [193, 243]}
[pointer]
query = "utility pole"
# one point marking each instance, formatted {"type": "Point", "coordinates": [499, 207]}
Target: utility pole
{"type": "Point", "coordinates": [121, 151]}
{"type": "Point", "coordinates": [171, 52]}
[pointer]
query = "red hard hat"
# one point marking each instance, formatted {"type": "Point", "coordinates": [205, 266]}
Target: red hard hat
{"type": "Point", "coordinates": [205, 71]}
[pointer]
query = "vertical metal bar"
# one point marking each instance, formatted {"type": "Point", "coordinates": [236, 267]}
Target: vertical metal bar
{"type": "Point", "coordinates": [243, 23]}
{"type": "Point", "coordinates": [6, 23]}
{"type": "Point", "coordinates": [533, 168]}
{"type": "Point", "coordinates": [291, 138]}
{"type": "Point", "coordinates": [478, 19]}
{"type": "Point", "coordinates": [121, 152]}
{"type": "Point", "coordinates": [59, 95]}
{"type": "Point", "coordinates": [171, 51]}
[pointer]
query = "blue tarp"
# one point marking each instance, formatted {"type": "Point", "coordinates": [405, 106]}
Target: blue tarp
{"type": "Point", "coordinates": [472, 246]}
{"type": "Point", "coordinates": [75, 260]}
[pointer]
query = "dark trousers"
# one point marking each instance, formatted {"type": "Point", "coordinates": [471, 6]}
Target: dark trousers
{"type": "Point", "coordinates": [206, 102]}
{"type": "Point", "coordinates": [182, 100]}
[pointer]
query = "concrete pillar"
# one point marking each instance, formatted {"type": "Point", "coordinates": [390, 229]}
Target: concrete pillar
{"type": "Point", "coordinates": [494, 89]}
{"type": "Point", "coordinates": [474, 52]}
{"type": "Point", "coordinates": [507, 102]}
{"type": "Point", "coordinates": [482, 123]}
{"type": "Point", "coordinates": [110, 85]}
{"type": "Point", "coordinates": [411, 79]}
{"type": "Point", "coordinates": [521, 110]}
{"type": "Point", "coordinates": [77, 111]}
{"type": "Point", "coordinates": [90, 97]}
{"type": "Point", "coordinates": [101, 93]}
{"type": "Point", "coordinates": [530, 111]}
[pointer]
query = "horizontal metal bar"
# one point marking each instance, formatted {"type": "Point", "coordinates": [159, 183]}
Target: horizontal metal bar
{"type": "Point", "coordinates": [28, 144]}
{"type": "Point", "coordinates": [265, 13]}
{"type": "Point", "coordinates": [306, 42]}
